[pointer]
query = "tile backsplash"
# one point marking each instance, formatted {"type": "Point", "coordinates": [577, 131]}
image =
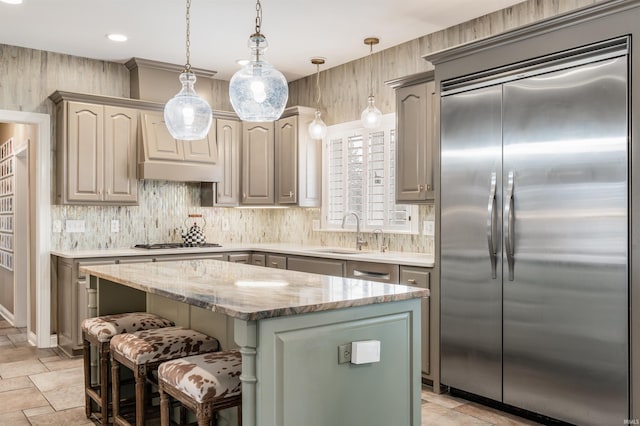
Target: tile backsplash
{"type": "Point", "coordinates": [162, 212]}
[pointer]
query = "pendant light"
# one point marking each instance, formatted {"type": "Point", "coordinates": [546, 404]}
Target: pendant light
{"type": "Point", "coordinates": [258, 91]}
{"type": "Point", "coordinates": [371, 116]}
{"type": "Point", "coordinates": [317, 128]}
{"type": "Point", "coordinates": [187, 115]}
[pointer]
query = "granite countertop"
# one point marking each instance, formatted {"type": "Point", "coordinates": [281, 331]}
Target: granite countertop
{"type": "Point", "coordinates": [250, 293]}
{"type": "Point", "coordinates": [401, 258]}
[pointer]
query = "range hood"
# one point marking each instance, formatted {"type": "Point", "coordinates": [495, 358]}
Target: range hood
{"type": "Point", "coordinates": [160, 156]}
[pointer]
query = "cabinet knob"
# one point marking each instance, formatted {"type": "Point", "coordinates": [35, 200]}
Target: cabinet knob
{"type": "Point", "coordinates": [411, 281]}
{"type": "Point", "coordinates": [428, 187]}
{"type": "Point", "coordinates": [290, 194]}
{"type": "Point", "coordinates": [420, 187]}
{"type": "Point", "coordinates": [274, 263]}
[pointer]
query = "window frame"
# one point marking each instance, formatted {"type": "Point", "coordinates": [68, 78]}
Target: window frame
{"type": "Point", "coordinates": [355, 128]}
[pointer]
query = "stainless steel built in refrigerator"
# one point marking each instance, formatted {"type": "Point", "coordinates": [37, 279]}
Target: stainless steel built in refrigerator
{"type": "Point", "coordinates": [534, 236]}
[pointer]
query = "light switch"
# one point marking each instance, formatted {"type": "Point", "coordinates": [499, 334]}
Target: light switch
{"type": "Point", "coordinates": [365, 352]}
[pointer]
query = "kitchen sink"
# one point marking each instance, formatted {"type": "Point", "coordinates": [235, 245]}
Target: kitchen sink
{"type": "Point", "coordinates": [338, 251]}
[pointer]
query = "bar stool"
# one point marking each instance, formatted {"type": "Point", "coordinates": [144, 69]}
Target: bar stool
{"type": "Point", "coordinates": [143, 351]}
{"type": "Point", "coordinates": [98, 332]}
{"type": "Point", "coordinates": [203, 383]}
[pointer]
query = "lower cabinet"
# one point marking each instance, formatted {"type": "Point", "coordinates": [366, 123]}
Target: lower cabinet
{"type": "Point", "coordinates": [420, 277]}
{"type": "Point", "coordinates": [277, 261]}
{"type": "Point", "coordinates": [317, 265]}
{"type": "Point", "coordinates": [240, 258]}
{"type": "Point", "coordinates": [258, 259]}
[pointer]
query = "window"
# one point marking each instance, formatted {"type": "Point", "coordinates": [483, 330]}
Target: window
{"type": "Point", "coordinates": [359, 176]}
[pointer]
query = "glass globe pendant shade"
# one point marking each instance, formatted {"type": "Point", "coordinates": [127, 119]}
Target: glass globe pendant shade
{"type": "Point", "coordinates": [317, 128]}
{"type": "Point", "coordinates": [187, 115]}
{"type": "Point", "coordinates": [258, 91]}
{"type": "Point", "coordinates": [371, 116]}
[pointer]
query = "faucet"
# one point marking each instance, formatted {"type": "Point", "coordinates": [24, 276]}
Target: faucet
{"type": "Point", "coordinates": [359, 241]}
{"type": "Point", "coordinates": [382, 244]}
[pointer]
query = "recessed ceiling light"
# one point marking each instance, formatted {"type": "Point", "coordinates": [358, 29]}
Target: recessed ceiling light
{"type": "Point", "coordinates": [12, 1]}
{"type": "Point", "coordinates": [117, 37]}
{"type": "Point", "coordinates": [242, 62]}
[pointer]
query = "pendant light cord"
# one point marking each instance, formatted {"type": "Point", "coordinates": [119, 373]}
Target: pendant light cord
{"type": "Point", "coordinates": [187, 67]}
{"type": "Point", "coordinates": [371, 69]}
{"type": "Point", "coordinates": [318, 85]}
{"type": "Point", "coordinates": [258, 16]}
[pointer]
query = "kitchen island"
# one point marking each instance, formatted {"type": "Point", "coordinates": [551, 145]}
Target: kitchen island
{"type": "Point", "coordinates": [292, 328]}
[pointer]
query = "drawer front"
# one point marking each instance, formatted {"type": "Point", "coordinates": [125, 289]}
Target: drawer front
{"type": "Point", "coordinates": [258, 259]}
{"type": "Point", "coordinates": [316, 265]}
{"type": "Point", "coordinates": [240, 258]}
{"type": "Point", "coordinates": [415, 277]}
{"type": "Point", "coordinates": [276, 261]}
{"type": "Point", "coordinates": [380, 272]}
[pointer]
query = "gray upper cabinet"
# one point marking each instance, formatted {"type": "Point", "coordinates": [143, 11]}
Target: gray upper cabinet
{"type": "Point", "coordinates": [226, 192]}
{"type": "Point", "coordinates": [96, 161]}
{"type": "Point", "coordinates": [298, 160]}
{"type": "Point", "coordinates": [258, 157]}
{"type": "Point", "coordinates": [415, 125]}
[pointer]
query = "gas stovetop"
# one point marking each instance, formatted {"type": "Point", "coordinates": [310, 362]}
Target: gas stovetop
{"type": "Point", "coordinates": [174, 245]}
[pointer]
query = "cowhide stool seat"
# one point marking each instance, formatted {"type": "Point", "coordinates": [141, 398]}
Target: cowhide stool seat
{"type": "Point", "coordinates": [143, 351]}
{"type": "Point", "coordinates": [98, 332]}
{"type": "Point", "coordinates": [202, 383]}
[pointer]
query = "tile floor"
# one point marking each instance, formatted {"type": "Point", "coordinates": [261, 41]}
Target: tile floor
{"type": "Point", "coordinates": [45, 387]}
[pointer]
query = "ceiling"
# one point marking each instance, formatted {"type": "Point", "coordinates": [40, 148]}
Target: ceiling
{"type": "Point", "coordinates": [295, 29]}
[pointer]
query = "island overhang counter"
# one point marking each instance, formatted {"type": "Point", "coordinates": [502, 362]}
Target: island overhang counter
{"type": "Point", "coordinates": [290, 327]}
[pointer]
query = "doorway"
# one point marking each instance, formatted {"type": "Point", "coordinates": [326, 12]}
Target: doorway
{"type": "Point", "coordinates": [31, 262]}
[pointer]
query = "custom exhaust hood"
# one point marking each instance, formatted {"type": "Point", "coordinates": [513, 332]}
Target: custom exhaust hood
{"type": "Point", "coordinates": [160, 156]}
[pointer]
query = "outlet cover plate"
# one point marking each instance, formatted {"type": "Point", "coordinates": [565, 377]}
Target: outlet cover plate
{"type": "Point", "coordinates": [115, 225]}
{"type": "Point", "coordinates": [344, 353]}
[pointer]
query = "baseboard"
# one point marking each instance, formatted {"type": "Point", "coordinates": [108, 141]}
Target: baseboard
{"type": "Point", "coordinates": [53, 341]}
{"type": "Point", "coordinates": [32, 338]}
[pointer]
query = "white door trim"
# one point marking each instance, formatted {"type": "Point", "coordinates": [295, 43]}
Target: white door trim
{"type": "Point", "coordinates": [42, 152]}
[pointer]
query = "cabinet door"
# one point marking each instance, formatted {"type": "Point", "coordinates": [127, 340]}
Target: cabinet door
{"type": "Point", "coordinates": [204, 150]}
{"type": "Point", "coordinates": [257, 163]}
{"type": "Point", "coordinates": [258, 259]}
{"type": "Point", "coordinates": [277, 261]}
{"type": "Point", "coordinates": [419, 277]}
{"type": "Point", "coordinates": [414, 174]}
{"type": "Point", "coordinates": [287, 160]}
{"type": "Point", "coordinates": [85, 140]}
{"type": "Point", "coordinates": [228, 189]}
{"type": "Point", "coordinates": [120, 139]}
{"type": "Point", "coordinates": [159, 144]}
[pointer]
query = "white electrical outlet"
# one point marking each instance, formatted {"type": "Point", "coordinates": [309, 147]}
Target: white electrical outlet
{"type": "Point", "coordinates": [57, 226]}
{"type": "Point", "coordinates": [74, 226]}
{"type": "Point", "coordinates": [225, 224]}
{"type": "Point", "coordinates": [115, 225]}
{"type": "Point", "coordinates": [428, 228]}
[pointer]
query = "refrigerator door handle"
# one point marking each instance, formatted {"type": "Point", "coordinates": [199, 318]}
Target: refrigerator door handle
{"type": "Point", "coordinates": [509, 236]}
{"type": "Point", "coordinates": [492, 226]}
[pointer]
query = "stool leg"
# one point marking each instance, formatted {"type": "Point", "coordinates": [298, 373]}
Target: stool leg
{"type": "Point", "coordinates": [164, 408]}
{"type": "Point", "coordinates": [203, 414]}
{"type": "Point", "coordinates": [115, 387]}
{"type": "Point", "coordinates": [141, 384]}
{"type": "Point", "coordinates": [240, 415]}
{"type": "Point", "coordinates": [104, 382]}
{"type": "Point", "coordinates": [86, 350]}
